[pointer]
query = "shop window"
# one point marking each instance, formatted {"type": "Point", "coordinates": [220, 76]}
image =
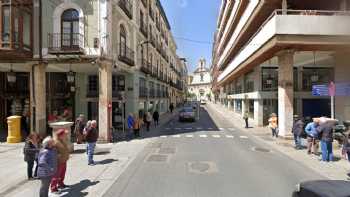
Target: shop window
{"type": "Point", "coordinates": [249, 82]}
{"type": "Point", "coordinates": [92, 85]}
{"type": "Point", "coordinates": [269, 79]}
{"type": "Point", "coordinates": [316, 76]}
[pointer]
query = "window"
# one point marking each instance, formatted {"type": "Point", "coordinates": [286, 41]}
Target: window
{"type": "Point", "coordinates": [269, 79]}
{"type": "Point", "coordinates": [92, 90]}
{"type": "Point", "coordinates": [142, 87]}
{"type": "Point", "coordinates": [70, 28]}
{"type": "Point", "coordinates": [6, 21]}
{"type": "Point", "coordinates": [202, 77]}
{"type": "Point", "coordinates": [316, 76]}
{"type": "Point", "coordinates": [122, 40]}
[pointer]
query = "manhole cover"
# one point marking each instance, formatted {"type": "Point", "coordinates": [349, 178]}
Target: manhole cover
{"type": "Point", "coordinates": [157, 158]}
{"type": "Point", "coordinates": [167, 150]}
{"type": "Point", "coordinates": [264, 150]}
{"type": "Point", "coordinates": [202, 167]}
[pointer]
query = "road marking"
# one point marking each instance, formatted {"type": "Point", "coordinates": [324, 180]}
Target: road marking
{"type": "Point", "coordinates": [203, 136]}
{"type": "Point", "coordinates": [189, 136]}
{"type": "Point", "coordinates": [177, 128]}
{"type": "Point", "coordinates": [221, 129]}
{"type": "Point", "coordinates": [176, 136]}
{"type": "Point", "coordinates": [243, 137]}
{"type": "Point", "coordinates": [163, 136]}
{"type": "Point", "coordinates": [230, 136]}
{"type": "Point", "coordinates": [199, 128]}
{"type": "Point", "coordinates": [189, 128]}
{"type": "Point", "coordinates": [216, 136]}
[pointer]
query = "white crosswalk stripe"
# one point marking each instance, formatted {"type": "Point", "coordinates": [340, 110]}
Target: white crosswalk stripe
{"type": "Point", "coordinates": [221, 129]}
{"type": "Point", "coordinates": [216, 136]}
{"type": "Point", "coordinates": [230, 136]}
{"type": "Point", "coordinates": [243, 137]}
{"type": "Point", "coordinates": [231, 129]}
{"type": "Point", "coordinates": [189, 136]}
{"type": "Point", "coordinates": [203, 136]}
{"type": "Point", "coordinates": [188, 128]}
{"type": "Point", "coordinates": [176, 136]}
{"type": "Point", "coordinates": [163, 136]}
{"type": "Point", "coordinates": [177, 128]}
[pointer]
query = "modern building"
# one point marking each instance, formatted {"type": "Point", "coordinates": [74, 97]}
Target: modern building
{"type": "Point", "coordinates": [200, 82]}
{"type": "Point", "coordinates": [269, 55]}
{"type": "Point", "coordinates": [104, 59]}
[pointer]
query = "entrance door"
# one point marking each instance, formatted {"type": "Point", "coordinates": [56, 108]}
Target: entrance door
{"type": "Point", "coordinates": [70, 29]}
{"type": "Point", "coordinates": [93, 111]}
{"type": "Point", "coordinates": [118, 119]}
{"type": "Point", "coordinates": [270, 106]}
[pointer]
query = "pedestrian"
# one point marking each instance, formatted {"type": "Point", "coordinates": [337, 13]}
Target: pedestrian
{"type": "Point", "coordinates": [136, 126]}
{"type": "Point", "coordinates": [156, 118]}
{"type": "Point", "coordinates": [273, 124]}
{"type": "Point", "coordinates": [297, 130]}
{"type": "Point", "coordinates": [325, 131]}
{"type": "Point", "coordinates": [171, 108]}
{"type": "Point", "coordinates": [246, 117]}
{"type": "Point", "coordinates": [312, 136]}
{"type": "Point", "coordinates": [91, 137]}
{"type": "Point", "coordinates": [30, 151]}
{"type": "Point", "coordinates": [47, 165]}
{"type": "Point", "coordinates": [346, 149]}
{"type": "Point", "coordinates": [130, 121]}
{"type": "Point", "coordinates": [63, 154]}
{"type": "Point", "coordinates": [79, 128]}
{"type": "Point", "coordinates": [148, 121]}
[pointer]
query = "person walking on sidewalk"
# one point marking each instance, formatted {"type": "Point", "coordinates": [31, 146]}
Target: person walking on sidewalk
{"type": "Point", "coordinates": [312, 136]}
{"type": "Point", "coordinates": [273, 124]}
{"type": "Point", "coordinates": [47, 165]}
{"type": "Point", "coordinates": [79, 128]}
{"type": "Point", "coordinates": [297, 130]}
{"type": "Point", "coordinates": [130, 121]}
{"type": "Point", "coordinates": [156, 118]}
{"type": "Point", "coordinates": [91, 137]}
{"type": "Point", "coordinates": [148, 120]}
{"type": "Point", "coordinates": [30, 151]}
{"type": "Point", "coordinates": [325, 131]}
{"type": "Point", "coordinates": [346, 149]}
{"type": "Point", "coordinates": [137, 126]}
{"type": "Point", "coordinates": [246, 117]}
{"type": "Point", "coordinates": [171, 108]}
{"type": "Point", "coordinates": [63, 154]}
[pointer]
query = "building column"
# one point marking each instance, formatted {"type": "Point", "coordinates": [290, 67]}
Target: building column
{"type": "Point", "coordinates": [341, 76]}
{"type": "Point", "coordinates": [104, 101]}
{"type": "Point", "coordinates": [285, 92]}
{"type": "Point", "coordinates": [259, 112]}
{"type": "Point", "coordinates": [234, 105]}
{"type": "Point", "coordinates": [244, 106]}
{"type": "Point", "coordinates": [39, 100]}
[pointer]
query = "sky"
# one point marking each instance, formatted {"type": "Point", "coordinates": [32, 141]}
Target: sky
{"type": "Point", "coordinates": [193, 20]}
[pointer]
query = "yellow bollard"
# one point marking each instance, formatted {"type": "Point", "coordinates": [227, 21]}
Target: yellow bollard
{"type": "Point", "coordinates": [14, 129]}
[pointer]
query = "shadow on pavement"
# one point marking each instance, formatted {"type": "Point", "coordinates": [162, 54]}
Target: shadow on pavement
{"type": "Point", "coordinates": [78, 188]}
{"type": "Point", "coordinates": [106, 161]}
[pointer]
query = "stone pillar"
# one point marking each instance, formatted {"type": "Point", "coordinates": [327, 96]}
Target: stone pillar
{"type": "Point", "coordinates": [234, 105]}
{"type": "Point", "coordinates": [259, 112]}
{"type": "Point", "coordinates": [104, 101]}
{"type": "Point", "coordinates": [341, 75]}
{"type": "Point", "coordinates": [39, 100]}
{"type": "Point", "coordinates": [229, 106]}
{"type": "Point", "coordinates": [285, 92]}
{"type": "Point", "coordinates": [244, 107]}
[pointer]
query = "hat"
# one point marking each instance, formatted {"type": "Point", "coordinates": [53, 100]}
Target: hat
{"type": "Point", "coordinates": [61, 132]}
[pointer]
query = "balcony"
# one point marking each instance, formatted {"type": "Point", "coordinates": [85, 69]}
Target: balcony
{"type": "Point", "coordinates": [153, 41]}
{"type": "Point", "coordinates": [126, 55]}
{"type": "Point", "coordinates": [126, 6]}
{"type": "Point", "coordinates": [143, 92]}
{"type": "Point", "coordinates": [284, 27]}
{"type": "Point", "coordinates": [66, 43]}
{"type": "Point", "coordinates": [145, 67]}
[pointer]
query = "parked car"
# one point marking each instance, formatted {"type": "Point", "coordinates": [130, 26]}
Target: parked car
{"type": "Point", "coordinates": [323, 188]}
{"type": "Point", "coordinates": [187, 113]}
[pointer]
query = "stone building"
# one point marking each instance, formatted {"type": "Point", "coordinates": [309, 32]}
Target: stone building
{"type": "Point", "coordinates": [200, 82]}
{"type": "Point", "coordinates": [268, 56]}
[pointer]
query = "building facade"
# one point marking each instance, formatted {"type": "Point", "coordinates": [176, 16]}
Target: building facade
{"type": "Point", "coordinates": [269, 55]}
{"type": "Point", "coordinates": [104, 59]}
{"type": "Point", "coordinates": [200, 82]}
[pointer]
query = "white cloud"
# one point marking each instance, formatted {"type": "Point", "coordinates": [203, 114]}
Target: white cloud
{"type": "Point", "coordinates": [183, 3]}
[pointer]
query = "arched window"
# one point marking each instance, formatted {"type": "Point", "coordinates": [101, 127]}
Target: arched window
{"type": "Point", "coordinates": [70, 28]}
{"type": "Point", "coordinates": [122, 40]}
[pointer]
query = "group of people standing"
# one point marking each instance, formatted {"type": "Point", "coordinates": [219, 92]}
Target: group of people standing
{"type": "Point", "coordinates": [135, 122]}
{"type": "Point", "coordinates": [51, 156]}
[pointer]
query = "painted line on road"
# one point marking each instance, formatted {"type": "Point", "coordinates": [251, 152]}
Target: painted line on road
{"type": "Point", "coordinates": [189, 128]}
{"type": "Point", "coordinates": [203, 136]}
{"type": "Point", "coordinates": [216, 136]}
{"type": "Point", "coordinates": [243, 137]}
{"type": "Point", "coordinates": [230, 136]}
{"type": "Point", "coordinates": [163, 136]}
{"type": "Point", "coordinates": [221, 129]}
{"type": "Point", "coordinates": [176, 136]}
{"type": "Point", "coordinates": [189, 136]}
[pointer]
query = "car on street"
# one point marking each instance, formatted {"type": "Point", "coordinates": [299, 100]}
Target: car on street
{"type": "Point", "coordinates": [323, 188]}
{"type": "Point", "coordinates": [187, 113]}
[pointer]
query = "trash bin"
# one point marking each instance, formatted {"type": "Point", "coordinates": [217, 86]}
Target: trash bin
{"type": "Point", "coordinates": [14, 129]}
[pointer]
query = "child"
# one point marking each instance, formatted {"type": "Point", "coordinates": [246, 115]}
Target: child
{"type": "Point", "coordinates": [47, 165]}
{"type": "Point", "coordinates": [30, 151]}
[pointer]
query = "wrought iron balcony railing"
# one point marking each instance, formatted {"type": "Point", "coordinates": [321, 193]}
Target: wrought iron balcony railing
{"type": "Point", "coordinates": [126, 55]}
{"type": "Point", "coordinates": [67, 43]}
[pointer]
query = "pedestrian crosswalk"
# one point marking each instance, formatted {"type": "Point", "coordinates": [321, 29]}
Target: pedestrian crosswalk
{"type": "Point", "coordinates": [214, 136]}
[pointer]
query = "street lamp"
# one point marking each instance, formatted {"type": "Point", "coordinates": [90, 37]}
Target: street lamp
{"type": "Point", "coordinates": [314, 77]}
{"type": "Point", "coordinates": [70, 75]}
{"type": "Point", "coordinates": [11, 76]}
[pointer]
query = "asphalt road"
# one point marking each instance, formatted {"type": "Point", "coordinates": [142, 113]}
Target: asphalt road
{"type": "Point", "coordinates": [204, 159]}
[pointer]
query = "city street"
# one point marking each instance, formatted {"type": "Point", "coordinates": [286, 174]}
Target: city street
{"type": "Point", "coordinates": [211, 157]}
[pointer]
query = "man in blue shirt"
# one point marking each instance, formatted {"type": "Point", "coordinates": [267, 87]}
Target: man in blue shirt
{"type": "Point", "coordinates": [312, 136]}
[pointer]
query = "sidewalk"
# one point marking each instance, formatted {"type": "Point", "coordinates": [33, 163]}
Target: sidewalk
{"type": "Point", "coordinates": [333, 170]}
{"type": "Point", "coordinates": [84, 180]}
